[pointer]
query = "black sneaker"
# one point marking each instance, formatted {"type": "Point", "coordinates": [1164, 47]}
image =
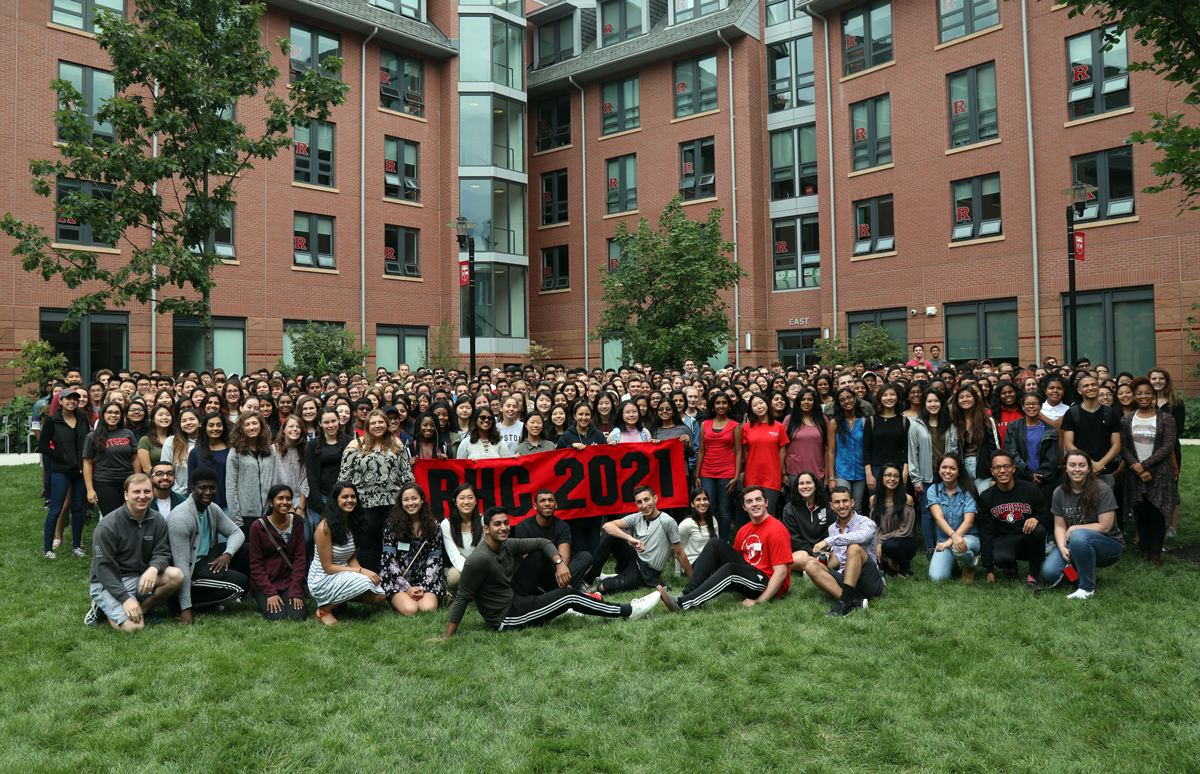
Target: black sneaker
{"type": "Point", "coordinates": [839, 610]}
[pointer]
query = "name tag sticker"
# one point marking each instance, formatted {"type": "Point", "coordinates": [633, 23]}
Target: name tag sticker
{"type": "Point", "coordinates": [402, 546]}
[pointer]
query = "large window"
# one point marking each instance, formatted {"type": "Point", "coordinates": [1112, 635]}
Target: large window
{"type": "Point", "coordinates": [554, 197]}
{"type": "Point", "coordinates": [778, 11]}
{"type": "Point", "coordinates": [314, 154]}
{"type": "Point", "coordinates": [615, 255]}
{"type": "Point", "coordinates": [794, 162]}
{"type": "Point", "coordinates": [874, 226]}
{"type": "Point", "coordinates": [499, 301]}
{"type": "Point", "coordinates": [698, 169]}
{"type": "Point", "coordinates": [515, 7]}
{"type": "Point", "coordinates": [96, 86]}
{"type": "Point", "coordinates": [1116, 327]}
{"type": "Point", "coordinates": [498, 206]}
{"type": "Point", "coordinates": [696, 85]}
{"type": "Point", "coordinates": [798, 349]}
{"type": "Point", "coordinates": [973, 114]}
{"type": "Point", "coordinates": [1097, 79]}
{"type": "Point", "coordinates": [401, 251]}
{"type": "Point", "coordinates": [963, 17]}
{"type": "Point", "coordinates": [556, 268]}
{"type": "Point", "coordinates": [686, 10]}
{"type": "Point", "coordinates": [554, 122]}
{"type": "Point", "coordinates": [976, 207]}
{"type": "Point", "coordinates": [556, 41]}
{"type": "Point", "coordinates": [312, 240]}
{"type": "Point", "coordinates": [491, 132]}
{"type": "Point", "coordinates": [409, 8]}
{"type": "Point", "coordinates": [229, 344]}
{"type": "Point", "coordinates": [1111, 171]}
{"type": "Point", "coordinates": [310, 47]}
{"type": "Point", "coordinates": [790, 80]}
{"type": "Point", "coordinates": [223, 238]}
{"type": "Point", "coordinates": [796, 249]}
{"type": "Point", "coordinates": [622, 184]}
{"type": "Point", "coordinates": [401, 179]}
{"type": "Point", "coordinates": [296, 327]}
{"type": "Point", "coordinates": [981, 330]}
{"type": "Point", "coordinates": [620, 20]}
{"type": "Point", "coordinates": [620, 108]}
{"type": "Point", "coordinates": [867, 36]}
{"type": "Point", "coordinates": [81, 14]}
{"type": "Point", "coordinates": [612, 353]}
{"type": "Point", "coordinates": [400, 344]}
{"type": "Point", "coordinates": [491, 50]}
{"type": "Point", "coordinates": [401, 83]}
{"type": "Point", "coordinates": [894, 321]}
{"type": "Point", "coordinates": [72, 230]}
{"type": "Point", "coordinates": [871, 128]}
{"type": "Point", "coordinates": [100, 340]}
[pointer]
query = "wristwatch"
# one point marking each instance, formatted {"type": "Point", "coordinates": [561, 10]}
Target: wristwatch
{"type": "Point", "coordinates": [557, 562]}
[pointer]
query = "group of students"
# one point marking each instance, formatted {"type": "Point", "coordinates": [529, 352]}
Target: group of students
{"type": "Point", "coordinates": [911, 438]}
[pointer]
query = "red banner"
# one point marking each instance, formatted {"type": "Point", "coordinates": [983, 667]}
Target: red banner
{"type": "Point", "coordinates": [597, 481]}
{"type": "Point", "coordinates": [1080, 247]}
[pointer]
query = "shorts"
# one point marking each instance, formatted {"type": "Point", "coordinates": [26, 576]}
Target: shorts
{"type": "Point", "coordinates": [870, 580]}
{"type": "Point", "coordinates": [109, 604]}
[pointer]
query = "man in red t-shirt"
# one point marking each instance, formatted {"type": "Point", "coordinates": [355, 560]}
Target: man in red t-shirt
{"type": "Point", "coordinates": [755, 566]}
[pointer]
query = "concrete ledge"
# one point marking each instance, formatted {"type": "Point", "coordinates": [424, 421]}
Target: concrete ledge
{"type": "Point", "coordinates": [8, 460]}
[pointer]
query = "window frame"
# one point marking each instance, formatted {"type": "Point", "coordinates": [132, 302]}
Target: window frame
{"type": "Point", "coordinates": [402, 334]}
{"type": "Point", "coordinates": [297, 67]}
{"type": "Point", "coordinates": [877, 243]}
{"type": "Point", "coordinates": [877, 317]}
{"type": "Point", "coordinates": [697, 9]}
{"type": "Point", "coordinates": [408, 8]}
{"type": "Point", "coordinates": [796, 81]}
{"type": "Point", "coordinates": [625, 198]}
{"type": "Point", "coordinates": [1107, 298]}
{"type": "Point", "coordinates": [973, 20]}
{"type": "Point", "coordinates": [218, 323]}
{"type": "Point", "coordinates": [88, 91]}
{"type": "Point", "coordinates": [787, 10]}
{"type": "Point", "coordinates": [405, 188]}
{"type": "Point", "coordinates": [978, 121]}
{"type": "Point", "coordinates": [626, 117]}
{"type": "Point", "coordinates": [395, 92]}
{"type": "Point", "coordinates": [551, 131]}
{"type": "Point", "coordinates": [555, 201]}
{"type": "Point", "coordinates": [614, 262]}
{"type": "Point", "coordinates": [869, 57]}
{"type": "Point", "coordinates": [1101, 200]}
{"type": "Point", "coordinates": [697, 183]}
{"type": "Point", "coordinates": [1099, 102]}
{"type": "Point", "coordinates": [871, 146]}
{"type": "Point", "coordinates": [304, 163]}
{"type": "Point", "coordinates": [558, 54]}
{"type": "Point", "coordinates": [311, 246]}
{"type": "Point", "coordinates": [803, 263]}
{"type": "Point", "coordinates": [87, 16]}
{"type": "Point", "coordinates": [488, 237]}
{"type": "Point", "coordinates": [609, 37]}
{"type": "Point", "coordinates": [976, 227]}
{"type": "Point", "coordinates": [556, 268]}
{"type": "Point", "coordinates": [800, 174]}
{"type": "Point", "coordinates": [396, 260]}
{"type": "Point", "coordinates": [82, 334]}
{"type": "Point", "coordinates": [84, 188]}
{"type": "Point", "coordinates": [694, 100]}
{"type": "Point", "coordinates": [981, 309]}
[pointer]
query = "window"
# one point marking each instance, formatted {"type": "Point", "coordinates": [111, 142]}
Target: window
{"type": "Point", "coordinates": [314, 154]}
{"type": "Point", "coordinates": [697, 169]}
{"type": "Point", "coordinates": [867, 36]}
{"type": "Point", "coordinates": [556, 268]}
{"type": "Point", "coordinates": [73, 230]}
{"type": "Point", "coordinates": [81, 14]}
{"type": "Point", "coordinates": [229, 344]}
{"type": "Point", "coordinates": [963, 17]}
{"type": "Point", "coordinates": [400, 177]}
{"type": "Point", "coordinates": [491, 50]}
{"type": "Point", "coordinates": [554, 197]}
{"type": "Point", "coordinates": [615, 255]}
{"type": "Point", "coordinates": [622, 184]}
{"type": "Point", "coordinates": [874, 227]}
{"type": "Point", "coordinates": [401, 83]}
{"type": "Point", "coordinates": [409, 8]}
{"type": "Point", "coordinates": [620, 20]}
{"type": "Point", "coordinates": [491, 132]}
{"type": "Point", "coordinates": [396, 345]}
{"type": "Point", "coordinates": [794, 162]}
{"type": "Point", "coordinates": [976, 207]}
{"type": "Point", "coordinates": [401, 251]}
{"type": "Point", "coordinates": [871, 127]}
{"type": "Point", "coordinates": [514, 7]}
{"type": "Point", "coordinates": [981, 330]}
{"type": "Point", "coordinates": [973, 114]}
{"type": "Point", "coordinates": [96, 86]}
{"type": "Point", "coordinates": [894, 321]}
{"type": "Point", "coordinates": [620, 108]}
{"type": "Point", "coordinates": [498, 206]}
{"type": "Point", "coordinates": [1097, 79]}
{"type": "Point", "coordinates": [798, 349]}
{"type": "Point", "coordinates": [778, 11]}
{"type": "Point", "coordinates": [1115, 327]}
{"type": "Point", "coordinates": [785, 61]}
{"type": "Point", "coordinates": [556, 41]}
{"type": "Point", "coordinates": [312, 240]}
{"type": "Point", "coordinates": [101, 340]}
{"type": "Point", "coordinates": [695, 85]}
{"type": "Point", "coordinates": [554, 122]}
{"type": "Point", "coordinates": [612, 353]}
{"type": "Point", "coordinates": [499, 301]}
{"type": "Point", "coordinates": [1112, 172]}
{"type": "Point", "coordinates": [686, 10]}
{"type": "Point", "coordinates": [310, 47]}
{"type": "Point", "coordinates": [223, 238]}
{"type": "Point", "coordinates": [796, 245]}
{"type": "Point", "coordinates": [296, 327]}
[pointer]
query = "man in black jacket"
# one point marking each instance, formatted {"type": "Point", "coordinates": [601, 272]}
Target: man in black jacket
{"type": "Point", "coordinates": [61, 442]}
{"type": "Point", "coordinates": [1013, 520]}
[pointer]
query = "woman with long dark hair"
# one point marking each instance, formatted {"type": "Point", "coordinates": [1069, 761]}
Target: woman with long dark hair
{"type": "Point", "coordinates": [483, 442]}
{"type": "Point", "coordinates": [462, 533]}
{"type": "Point", "coordinates": [807, 516]}
{"type": "Point", "coordinates": [697, 528]}
{"type": "Point", "coordinates": [1169, 401]}
{"type": "Point", "coordinates": [276, 555]}
{"type": "Point", "coordinates": [719, 459]}
{"type": "Point", "coordinates": [1086, 534]}
{"type": "Point", "coordinates": [378, 466]}
{"type": "Point", "coordinates": [764, 440]}
{"type": "Point", "coordinates": [926, 445]}
{"type": "Point", "coordinates": [212, 451]}
{"type": "Point", "coordinates": [428, 443]}
{"type": "Point", "coordinates": [807, 435]}
{"type": "Point", "coordinates": [290, 468]}
{"type": "Point", "coordinates": [231, 400]}
{"type": "Point", "coordinates": [604, 410]}
{"type": "Point", "coordinates": [533, 439]}
{"type": "Point", "coordinates": [894, 517]}
{"type": "Point", "coordinates": [323, 460]}
{"type": "Point", "coordinates": [972, 435]}
{"type": "Point", "coordinates": [845, 433]}
{"type": "Point", "coordinates": [150, 446]}
{"type": "Point", "coordinates": [629, 426]}
{"type": "Point", "coordinates": [62, 442]}
{"type": "Point", "coordinates": [953, 506]}
{"type": "Point", "coordinates": [1147, 443]}
{"type": "Point", "coordinates": [1033, 444]}
{"type": "Point", "coordinates": [823, 385]}
{"type": "Point", "coordinates": [137, 422]}
{"type": "Point", "coordinates": [335, 575]}
{"type": "Point", "coordinates": [885, 436]}
{"type": "Point", "coordinates": [308, 409]}
{"type": "Point", "coordinates": [1007, 408]}
{"type": "Point", "coordinates": [179, 445]}
{"type": "Point", "coordinates": [411, 571]}
{"type": "Point", "coordinates": [108, 454]}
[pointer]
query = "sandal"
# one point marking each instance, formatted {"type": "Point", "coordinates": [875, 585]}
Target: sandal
{"type": "Point", "coordinates": [326, 617]}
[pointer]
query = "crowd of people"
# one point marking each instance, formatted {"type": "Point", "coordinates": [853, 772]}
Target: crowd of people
{"type": "Point", "coordinates": [210, 488]}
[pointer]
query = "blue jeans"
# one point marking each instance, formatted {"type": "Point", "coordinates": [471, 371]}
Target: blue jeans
{"type": "Point", "coordinates": [972, 470]}
{"type": "Point", "coordinates": [858, 491]}
{"type": "Point", "coordinates": [59, 483]}
{"type": "Point", "coordinates": [720, 503]}
{"type": "Point", "coordinates": [928, 525]}
{"type": "Point", "coordinates": [942, 562]}
{"type": "Point", "coordinates": [1089, 549]}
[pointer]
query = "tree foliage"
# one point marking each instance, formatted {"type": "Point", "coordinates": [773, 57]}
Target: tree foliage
{"type": "Point", "coordinates": [181, 69]}
{"type": "Point", "coordinates": [38, 365]}
{"type": "Point", "coordinates": [872, 343]}
{"type": "Point", "coordinates": [322, 349]}
{"type": "Point", "coordinates": [443, 348]}
{"type": "Point", "coordinates": [662, 301]}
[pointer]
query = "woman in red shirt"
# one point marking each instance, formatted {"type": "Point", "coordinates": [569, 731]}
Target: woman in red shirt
{"type": "Point", "coordinates": [1006, 409]}
{"type": "Point", "coordinates": [719, 459]}
{"type": "Point", "coordinates": [765, 441]}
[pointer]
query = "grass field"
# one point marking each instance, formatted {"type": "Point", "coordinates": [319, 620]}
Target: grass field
{"type": "Point", "coordinates": [949, 678]}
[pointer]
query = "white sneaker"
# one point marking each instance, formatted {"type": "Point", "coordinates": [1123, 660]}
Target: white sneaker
{"type": "Point", "coordinates": [606, 575]}
{"type": "Point", "coordinates": [78, 551]}
{"type": "Point", "coordinates": [643, 605]}
{"type": "Point", "coordinates": [56, 543]}
{"type": "Point", "coordinates": [1081, 594]}
{"type": "Point", "coordinates": [49, 555]}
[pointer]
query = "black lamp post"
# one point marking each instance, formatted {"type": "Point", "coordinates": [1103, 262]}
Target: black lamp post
{"type": "Point", "coordinates": [1078, 193]}
{"type": "Point", "coordinates": [462, 228]}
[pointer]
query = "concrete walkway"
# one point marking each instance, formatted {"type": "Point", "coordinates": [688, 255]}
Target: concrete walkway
{"type": "Point", "coordinates": [20, 459]}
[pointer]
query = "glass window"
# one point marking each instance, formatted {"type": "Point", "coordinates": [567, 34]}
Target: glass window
{"type": "Point", "coordinates": [620, 20]}
{"type": "Point", "coordinates": [874, 226]}
{"type": "Point", "coordinates": [296, 327]}
{"type": "Point", "coordinates": [785, 61]}
{"type": "Point", "coordinates": [796, 245]}
{"type": "Point", "coordinates": [401, 251]}
{"type": "Point", "coordinates": [401, 83]}
{"type": "Point", "coordinates": [96, 87]}
{"type": "Point", "coordinates": [397, 345]}
{"type": "Point", "coordinates": [976, 207]}
{"type": "Point", "coordinates": [312, 240]}
{"type": "Point", "coordinates": [622, 184]}
{"type": "Point", "coordinates": [313, 154]}
{"type": "Point", "coordinates": [498, 206]}
{"type": "Point", "coordinates": [696, 85]}
{"type": "Point", "coordinates": [615, 255]}
{"type": "Point", "coordinates": [973, 114]}
{"type": "Point", "coordinates": [620, 108]}
{"type": "Point", "coordinates": [100, 340]}
{"type": "Point", "coordinates": [554, 197]}
{"type": "Point", "coordinates": [894, 321]}
{"type": "Point", "coordinates": [81, 14]}
{"type": "Point", "coordinates": [798, 349]}
{"type": "Point", "coordinates": [229, 344]}
{"type": "Point", "coordinates": [1096, 79]}
{"type": "Point", "coordinates": [981, 330]}
{"type": "Point", "coordinates": [512, 6]}
{"type": "Point", "coordinates": [686, 10]}
{"type": "Point", "coordinates": [400, 177]}
{"type": "Point", "coordinates": [73, 230]}
{"type": "Point", "coordinates": [1115, 327]}
{"type": "Point", "coordinates": [612, 353]}
{"type": "Point", "coordinates": [223, 238]}
{"type": "Point", "coordinates": [499, 301]}
{"type": "Point", "coordinates": [310, 47]}
{"type": "Point", "coordinates": [554, 122]}
{"type": "Point", "coordinates": [963, 17]}
{"type": "Point", "coordinates": [556, 41]}
{"type": "Point", "coordinates": [871, 129]}
{"type": "Point", "coordinates": [1111, 171]}
{"type": "Point", "coordinates": [867, 36]}
{"type": "Point", "coordinates": [556, 268]}
{"type": "Point", "coordinates": [502, 143]}
{"type": "Point", "coordinates": [491, 50]}
{"type": "Point", "coordinates": [794, 162]}
{"type": "Point", "coordinates": [697, 171]}
{"type": "Point", "coordinates": [778, 11]}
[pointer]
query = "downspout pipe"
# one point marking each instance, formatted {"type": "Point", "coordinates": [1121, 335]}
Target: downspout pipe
{"type": "Point", "coordinates": [1037, 308]}
{"type": "Point", "coordinates": [587, 267]}
{"type": "Point", "coordinates": [154, 267]}
{"type": "Point", "coordinates": [737, 315]}
{"type": "Point", "coordinates": [829, 135]}
{"type": "Point", "coordinates": [362, 197]}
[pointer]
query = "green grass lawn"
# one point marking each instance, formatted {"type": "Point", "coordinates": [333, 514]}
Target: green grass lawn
{"type": "Point", "coordinates": [947, 678]}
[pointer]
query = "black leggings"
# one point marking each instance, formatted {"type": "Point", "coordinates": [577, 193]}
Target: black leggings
{"type": "Point", "coordinates": [900, 550]}
{"type": "Point", "coordinates": [1151, 524]}
{"type": "Point", "coordinates": [288, 611]}
{"type": "Point", "coordinates": [718, 569]}
{"type": "Point", "coordinates": [632, 572]}
{"type": "Point", "coordinates": [1008, 549]}
{"type": "Point", "coordinates": [109, 496]}
{"type": "Point", "coordinates": [535, 575]}
{"type": "Point", "coordinates": [370, 541]}
{"type": "Point", "coordinates": [535, 611]}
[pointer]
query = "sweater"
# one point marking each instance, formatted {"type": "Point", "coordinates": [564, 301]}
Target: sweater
{"type": "Point", "coordinates": [269, 573]}
{"type": "Point", "coordinates": [920, 452]}
{"type": "Point", "coordinates": [248, 478]}
{"type": "Point", "coordinates": [183, 527]}
{"type": "Point", "coordinates": [1016, 443]}
{"type": "Point", "coordinates": [123, 546]}
{"type": "Point", "coordinates": [805, 527]}
{"type": "Point", "coordinates": [1004, 513]}
{"type": "Point", "coordinates": [487, 578]}
{"type": "Point", "coordinates": [1161, 490]}
{"type": "Point", "coordinates": [291, 470]}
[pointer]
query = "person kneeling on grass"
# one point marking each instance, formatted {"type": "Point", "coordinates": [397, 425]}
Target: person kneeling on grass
{"type": "Point", "coordinates": [953, 508]}
{"type": "Point", "coordinates": [487, 579]}
{"type": "Point", "coordinates": [335, 576]}
{"type": "Point", "coordinates": [1013, 518]}
{"type": "Point", "coordinates": [642, 543]}
{"type": "Point", "coordinates": [411, 570]}
{"type": "Point", "coordinates": [1085, 526]}
{"type": "Point", "coordinates": [277, 565]}
{"type": "Point", "coordinates": [755, 566]}
{"type": "Point", "coordinates": [194, 527]}
{"type": "Point", "coordinates": [131, 561]}
{"type": "Point", "coordinates": [851, 546]}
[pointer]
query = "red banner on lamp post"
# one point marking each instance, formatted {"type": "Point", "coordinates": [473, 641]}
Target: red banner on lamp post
{"type": "Point", "coordinates": [464, 274]}
{"type": "Point", "coordinates": [1080, 249]}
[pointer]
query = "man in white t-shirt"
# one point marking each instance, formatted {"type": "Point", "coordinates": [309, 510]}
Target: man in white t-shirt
{"type": "Point", "coordinates": [162, 479]}
{"type": "Point", "coordinates": [642, 543]}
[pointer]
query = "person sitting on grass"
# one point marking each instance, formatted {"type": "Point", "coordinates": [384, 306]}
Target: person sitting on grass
{"type": "Point", "coordinates": [1013, 518]}
{"type": "Point", "coordinates": [162, 478]}
{"type": "Point", "coordinates": [487, 578]}
{"type": "Point", "coordinates": [894, 517]}
{"type": "Point", "coordinates": [536, 575]}
{"type": "Point", "coordinates": [953, 507]}
{"type": "Point", "coordinates": [1086, 535]}
{"type": "Point", "coordinates": [755, 566]}
{"type": "Point", "coordinates": [131, 561]}
{"type": "Point", "coordinates": [411, 569]}
{"type": "Point", "coordinates": [335, 576]}
{"type": "Point", "coordinates": [807, 517]}
{"type": "Point", "coordinates": [194, 527]}
{"type": "Point", "coordinates": [276, 555]}
{"type": "Point", "coordinates": [642, 543]}
{"type": "Point", "coordinates": [852, 575]}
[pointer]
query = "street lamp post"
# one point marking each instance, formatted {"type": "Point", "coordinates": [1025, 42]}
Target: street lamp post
{"type": "Point", "coordinates": [462, 228]}
{"type": "Point", "coordinates": [1078, 193]}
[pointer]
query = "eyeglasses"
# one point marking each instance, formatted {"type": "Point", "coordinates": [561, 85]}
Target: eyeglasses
{"type": "Point", "coordinates": [484, 419]}
{"type": "Point", "coordinates": [1003, 467]}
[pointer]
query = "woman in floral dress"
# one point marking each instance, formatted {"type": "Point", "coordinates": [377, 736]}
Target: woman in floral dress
{"type": "Point", "coordinates": [411, 569]}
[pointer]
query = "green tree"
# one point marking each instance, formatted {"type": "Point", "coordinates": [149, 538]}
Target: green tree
{"type": "Point", "coordinates": [872, 343]}
{"type": "Point", "coordinates": [322, 349]}
{"type": "Point", "coordinates": [38, 365]}
{"type": "Point", "coordinates": [180, 69]}
{"type": "Point", "coordinates": [663, 300]}
{"type": "Point", "coordinates": [443, 348]}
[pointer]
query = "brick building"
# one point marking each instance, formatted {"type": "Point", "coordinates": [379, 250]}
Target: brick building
{"type": "Point", "coordinates": [874, 162]}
